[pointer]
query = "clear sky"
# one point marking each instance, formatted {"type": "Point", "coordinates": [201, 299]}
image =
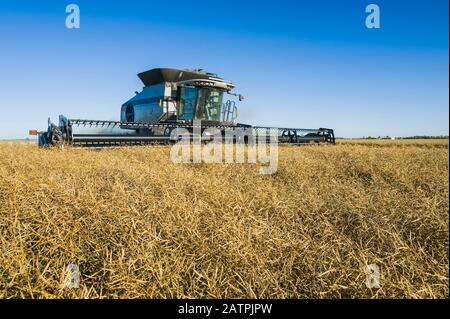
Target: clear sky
{"type": "Point", "coordinates": [298, 63]}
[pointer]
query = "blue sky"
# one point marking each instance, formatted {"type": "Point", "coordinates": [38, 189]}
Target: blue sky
{"type": "Point", "coordinates": [298, 63]}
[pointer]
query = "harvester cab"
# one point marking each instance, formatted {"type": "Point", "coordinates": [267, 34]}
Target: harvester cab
{"type": "Point", "coordinates": [181, 96]}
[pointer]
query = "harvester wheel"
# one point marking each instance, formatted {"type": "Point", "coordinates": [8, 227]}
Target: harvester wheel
{"type": "Point", "coordinates": [168, 131]}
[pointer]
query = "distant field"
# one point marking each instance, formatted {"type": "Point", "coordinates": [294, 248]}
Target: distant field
{"type": "Point", "coordinates": [427, 143]}
{"type": "Point", "coordinates": [139, 226]}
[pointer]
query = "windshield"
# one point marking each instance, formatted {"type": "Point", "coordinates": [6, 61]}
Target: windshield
{"type": "Point", "coordinates": [188, 100]}
{"type": "Point", "coordinates": [209, 104]}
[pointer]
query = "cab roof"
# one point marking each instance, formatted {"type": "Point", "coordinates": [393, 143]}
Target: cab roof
{"type": "Point", "coordinates": [155, 76]}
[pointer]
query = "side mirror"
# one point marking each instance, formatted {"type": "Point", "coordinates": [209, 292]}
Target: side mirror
{"type": "Point", "coordinates": [241, 98]}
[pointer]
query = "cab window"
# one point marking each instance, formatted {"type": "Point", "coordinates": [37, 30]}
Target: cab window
{"type": "Point", "coordinates": [187, 103]}
{"type": "Point", "coordinates": [209, 104]}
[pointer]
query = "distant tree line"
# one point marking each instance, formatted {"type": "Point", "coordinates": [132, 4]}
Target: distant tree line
{"type": "Point", "coordinates": [424, 137]}
{"type": "Point", "coordinates": [417, 137]}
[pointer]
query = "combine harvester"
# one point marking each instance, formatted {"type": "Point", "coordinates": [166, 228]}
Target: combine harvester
{"type": "Point", "coordinates": [171, 99]}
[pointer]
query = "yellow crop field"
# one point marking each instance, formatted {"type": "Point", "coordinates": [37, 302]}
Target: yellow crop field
{"type": "Point", "coordinates": [139, 226]}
